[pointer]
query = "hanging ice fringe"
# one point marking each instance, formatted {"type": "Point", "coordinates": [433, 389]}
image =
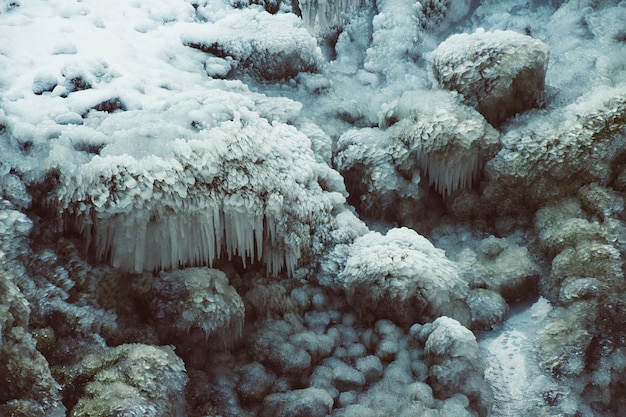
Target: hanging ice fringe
{"type": "Point", "coordinates": [321, 15]}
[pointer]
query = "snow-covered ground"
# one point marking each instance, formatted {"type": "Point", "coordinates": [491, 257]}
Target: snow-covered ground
{"type": "Point", "coordinates": [306, 207]}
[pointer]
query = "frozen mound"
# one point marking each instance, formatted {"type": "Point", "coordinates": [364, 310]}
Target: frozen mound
{"type": "Point", "coordinates": [488, 309]}
{"type": "Point", "coordinates": [499, 73]}
{"type": "Point", "coordinates": [246, 189]}
{"type": "Point", "coordinates": [455, 365]}
{"type": "Point", "coordinates": [554, 154]}
{"type": "Point", "coordinates": [270, 47]}
{"type": "Point", "coordinates": [206, 311]}
{"type": "Point", "coordinates": [130, 380]}
{"type": "Point", "coordinates": [448, 142]}
{"type": "Point", "coordinates": [438, 15]}
{"type": "Point", "coordinates": [401, 276]}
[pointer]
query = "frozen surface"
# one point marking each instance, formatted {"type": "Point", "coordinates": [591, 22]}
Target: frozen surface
{"type": "Point", "coordinates": [513, 366]}
{"type": "Point", "coordinates": [272, 141]}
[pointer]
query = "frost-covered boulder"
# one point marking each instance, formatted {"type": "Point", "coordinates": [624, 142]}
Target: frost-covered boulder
{"type": "Point", "coordinates": [130, 380]}
{"type": "Point", "coordinates": [309, 402]}
{"type": "Point", "coordinates": [197, 310]}
{"type": "Point", "coordinates": [270, 47]}
{"type": "Point", "coordinates": [236, 185]}
{"type": "Point", "coordinates": [455, 365]}
{"type": "Point", "coordinates": [403, 277]}
{"type": "Point", "coordinates": [416, 145]}
{"type": "Point", "coordinates": [434, 132]}
{"type": "Point", "coordinates": [554, 154]}
{"type": "Point", "coordinates": [29, 389]}
{"type": "Point", "coordinates": [500, 265]}
{"type": "Point", "coordinates": [488, 308]}
{"type": "Point", "coordinates": [370, 172]}
{"type": "Point", "coordinates": [499, 73]}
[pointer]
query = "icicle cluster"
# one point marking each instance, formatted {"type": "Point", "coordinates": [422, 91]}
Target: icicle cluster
{"type": "Point", "coordinates": [322, 15]}
{"type": "Point", "coordinates": [449, 141]}
{"type": "Point", "coordinates": [248, 190]}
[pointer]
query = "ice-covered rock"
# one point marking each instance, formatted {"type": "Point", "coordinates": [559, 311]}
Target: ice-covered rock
{"type": "Point", "coordinates": [438, 15]}
{"type": "Point", "coordinates": [455, 365]}
{"type": "Point", "coordinates": [246, 189]}
{"type": "Point", "coordinates": [255, 382]}
{"type": "Point", "coordinates": [500, 265]}
{"type": "Point", "coordinates": [449, 142]}
{"type": "Point", "coordinates": [130, 380]}
{"type": "Point", "coordinates": [554, 154]}
{"type": "Point", "coordinates": [196, 306]}
{"type": "Point", "coordinates": [309, 402]}
{"type": "Point", "coordinates": [403, 277]}
{"type": "Point", "coordinates": [488, 308]}
{"type": "Point", "coordinates": [270, 47]}
{"type": "Point", "coordinates": [370, 172]}
{"type": "Point", "coordinates": [499, 73]}
{"type": "Point", "coordinates": [29, 387]}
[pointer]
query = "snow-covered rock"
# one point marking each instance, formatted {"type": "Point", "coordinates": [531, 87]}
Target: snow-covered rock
{"type": "Point", "coordinates": [248, 188]}
{"type": "Point", "coordinates": [499, 73]}
{"type": "Point", "coordinates": [403, 277]}
{"type": "Point", "coordinates": [558, 152]}
{"type": "Point", "coordinates": [270, 47]}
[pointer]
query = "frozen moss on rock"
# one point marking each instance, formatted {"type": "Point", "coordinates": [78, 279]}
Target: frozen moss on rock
{"type": "Point", "coordinates": [131, 380]}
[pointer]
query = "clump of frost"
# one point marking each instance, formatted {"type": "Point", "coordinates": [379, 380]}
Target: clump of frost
{"type": "Point", "coordinates": [499, 73]}
{"type": "Point", "coordinates": [271, 47]}
{"type": "Point", "coordinates": [403, 277]}
{"type": "Point", "coordinates": [500, 265]}
{"type": "Point", "coordinates": [197, 306]}
{"type": "Point", "coordinates": [449, 142]}
{"type": "Point", "coordinates": [312, 402]}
